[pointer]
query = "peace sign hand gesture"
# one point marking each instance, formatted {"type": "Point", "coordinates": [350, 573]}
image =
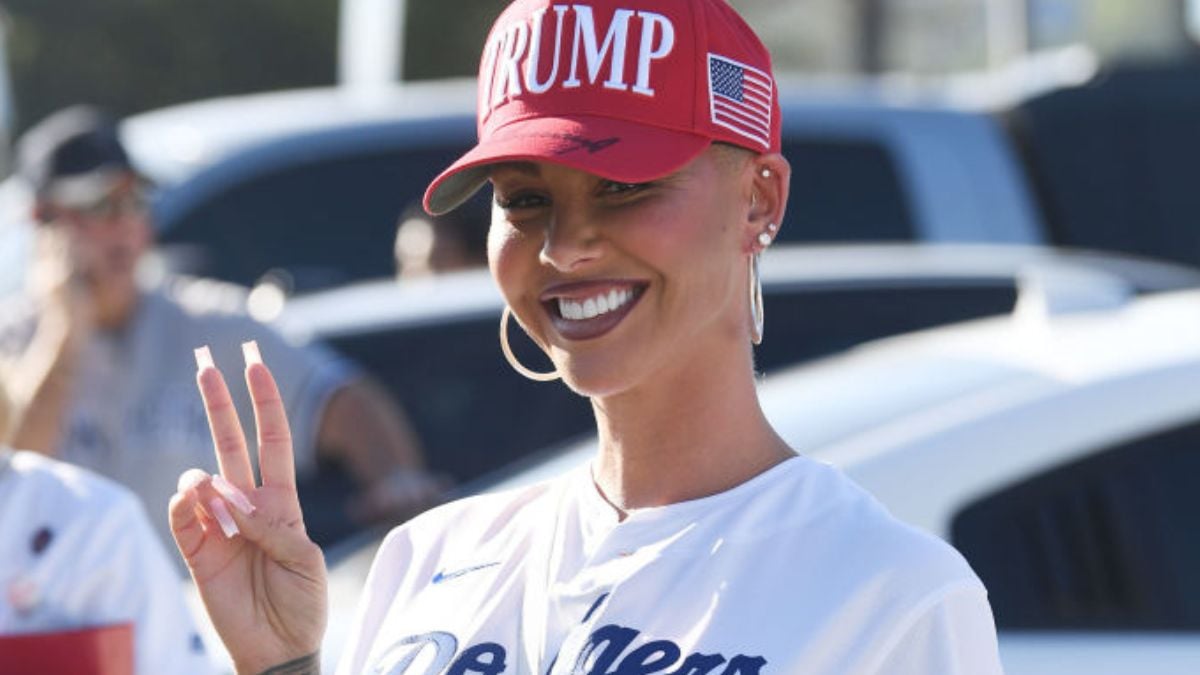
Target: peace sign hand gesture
{"type": "Point", "coordinates": [261, 578]}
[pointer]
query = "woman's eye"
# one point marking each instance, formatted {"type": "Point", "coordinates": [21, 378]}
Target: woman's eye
{"type": "Point", "coordinates": [520, 201]}
{"type": "Point", "coordinates": [615, 188]}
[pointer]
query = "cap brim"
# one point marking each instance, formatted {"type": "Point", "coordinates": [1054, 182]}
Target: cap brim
{"type": "Point", "coordinates": [86, 190]}
{"type": "Point", "coordinates": [618, 150]}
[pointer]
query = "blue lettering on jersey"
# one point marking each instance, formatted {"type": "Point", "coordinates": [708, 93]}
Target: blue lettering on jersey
{"type": "Point", "coordinates": [486, 659]}
{"type": "Point", "coordinates": [595, 605]}
{"type": "Point", "coordinates": [609, 641]}
{"type": "Point", "coordinates": [398, 657]}
{"type": "Point", "coordinates": [446, 576]}
{"type": "Point", "coordinates": [606, 652]}
{"type": "Point", "coordinates": [699, 664]}
{"type": "Point", "coordinates": [652, 657]}
{"type": "Point", "coordinates": [745, 665]}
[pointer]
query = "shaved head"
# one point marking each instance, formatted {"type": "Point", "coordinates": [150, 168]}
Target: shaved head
{"type": "Point", "coordinates": [732, 158]}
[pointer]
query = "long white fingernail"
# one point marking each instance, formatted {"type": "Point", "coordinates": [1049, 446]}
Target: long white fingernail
{"type": "Point", "coordinates": [251, 353]}
{"type": "Point", "coordinates": [224, 518]}
{"type": "Point", "coordinates": [235, 496]}
{"type": "Point", "coordinates": [204, 358]}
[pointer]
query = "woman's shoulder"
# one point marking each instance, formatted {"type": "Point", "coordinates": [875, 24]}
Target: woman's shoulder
{"type": "Point", "coordinates": [69, 488]}
{"type": "Point", "coordinates": [821, 514]}
{"type": "Point", "coordinates": [906, 583]}
{"type": "Point", "coordinates": [62, 503]}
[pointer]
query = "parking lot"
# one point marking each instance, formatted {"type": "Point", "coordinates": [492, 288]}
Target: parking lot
{"type": "Point", "coordinates": [983, 309]}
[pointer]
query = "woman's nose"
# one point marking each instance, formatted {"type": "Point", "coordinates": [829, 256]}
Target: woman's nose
{"type": "Point", "coordinates": [571, 240]}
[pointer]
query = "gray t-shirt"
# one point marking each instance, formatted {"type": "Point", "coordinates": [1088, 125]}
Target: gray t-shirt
{"type": "Point", "coordinates": [136, 415]}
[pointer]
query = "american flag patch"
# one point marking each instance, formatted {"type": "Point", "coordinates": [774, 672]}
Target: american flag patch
{"type": "Point", "coordinates": [740, 98]}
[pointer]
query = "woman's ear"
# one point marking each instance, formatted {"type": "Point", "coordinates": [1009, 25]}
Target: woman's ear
{"type": "Point", "coordinates": [770, 179]}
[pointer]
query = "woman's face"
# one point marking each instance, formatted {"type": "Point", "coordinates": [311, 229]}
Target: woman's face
{"type": "Point", "coordinates": [622, 282]}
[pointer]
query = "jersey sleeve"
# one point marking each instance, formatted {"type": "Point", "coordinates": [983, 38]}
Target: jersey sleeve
{"type": "Point", "coordinates": [954, 634]}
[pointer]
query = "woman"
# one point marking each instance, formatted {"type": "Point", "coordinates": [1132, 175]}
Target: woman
{"type": "Point", "coordinates": [633, 148]}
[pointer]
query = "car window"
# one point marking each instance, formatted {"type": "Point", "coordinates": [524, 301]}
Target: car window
{"type": "Point", "coordinates": [475, 415]}
{"type": "Point", "coordinates": [1106, 542]}
{"type": "Point", "coordinates": [1113, 162]}
{"type": "Point", "coordinates": [472, 412]}
{"type": "Point", "coordinates": [844, 190]}
{"type": "Point", "coordinates": [326, 222]}
{"type": "Point", "coordinates": [820, 322]}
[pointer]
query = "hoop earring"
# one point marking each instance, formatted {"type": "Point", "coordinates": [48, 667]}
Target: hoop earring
{"type": "Point", "coordinates": [756, 302]}
{"type": "Point", "coordinates": [512, 359]}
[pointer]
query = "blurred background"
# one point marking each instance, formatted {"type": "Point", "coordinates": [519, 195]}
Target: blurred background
{"type": "Point", "coordinates": [1005, 56]}
{"type": "Point", "coordinates": [985, 286]}
{"type": "Point", "coordinates": [134, 55]}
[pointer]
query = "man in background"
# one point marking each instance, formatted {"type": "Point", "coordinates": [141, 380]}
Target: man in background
{"type": "Point", "coordinates": [98, 364]}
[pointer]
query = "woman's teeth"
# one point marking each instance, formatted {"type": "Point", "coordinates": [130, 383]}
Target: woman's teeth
{"type": "Point", "coordinates": [595, 306]}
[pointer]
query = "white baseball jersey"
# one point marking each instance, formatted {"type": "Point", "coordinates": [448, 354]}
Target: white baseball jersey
{"type": "Point", "coordinates": [796, 571]}
{"type": "Point", "coordinates": [78, 552]}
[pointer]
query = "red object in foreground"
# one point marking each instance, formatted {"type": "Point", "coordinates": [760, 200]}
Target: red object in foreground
{"type": "Point", "coordinates": [105, 650]}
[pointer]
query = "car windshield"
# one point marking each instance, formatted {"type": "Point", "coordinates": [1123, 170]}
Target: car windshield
{"type": "Point", "coordinates": [338, 214]}
{"type": "Point", "coordinates": [1113, 163]}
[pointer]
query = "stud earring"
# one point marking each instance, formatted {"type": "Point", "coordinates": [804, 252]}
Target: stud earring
{"type": "Point", "coordinates": [764, 238]}
{"type": "Point", "coordinates": [765, 173]}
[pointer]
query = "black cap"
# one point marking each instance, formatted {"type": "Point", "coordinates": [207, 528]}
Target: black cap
{"type": "Point", "coordinates": [72, 157]}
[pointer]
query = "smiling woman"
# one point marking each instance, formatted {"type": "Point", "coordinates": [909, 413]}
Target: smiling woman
{"type": "Point", "coordinates": [632, 200]}
{"type": "Point", "coordinates": [564, 241]}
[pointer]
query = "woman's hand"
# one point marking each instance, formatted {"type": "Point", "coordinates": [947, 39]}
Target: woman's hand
{"type": "Point", "coordinates": [261, 579]}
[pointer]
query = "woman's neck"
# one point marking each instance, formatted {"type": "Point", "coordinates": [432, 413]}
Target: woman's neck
{"type": "Point", "coordinates": [684, 436]}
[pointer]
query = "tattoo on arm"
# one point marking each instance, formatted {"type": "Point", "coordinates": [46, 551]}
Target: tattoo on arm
{"type": "Point", "coordinates": [305, 665]}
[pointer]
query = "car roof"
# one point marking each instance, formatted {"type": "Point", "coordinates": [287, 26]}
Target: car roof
{"type": "Point", "coordinates": [1040, 354]}
{"type": "Point", "coordinates": [1040, 391]}
{"type": "Point", "coordinates": [173, 143]}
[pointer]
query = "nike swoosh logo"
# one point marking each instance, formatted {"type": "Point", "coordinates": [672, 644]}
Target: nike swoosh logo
{"type": "Point", "coordinates": [446, 576]}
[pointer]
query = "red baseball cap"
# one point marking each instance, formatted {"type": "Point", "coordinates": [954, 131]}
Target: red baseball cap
{"type": "Point", "coordinates": [631, 90]}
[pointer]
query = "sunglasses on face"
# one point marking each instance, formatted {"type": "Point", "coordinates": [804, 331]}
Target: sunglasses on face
{"type": "Point", "coordinates": [120, 203]}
